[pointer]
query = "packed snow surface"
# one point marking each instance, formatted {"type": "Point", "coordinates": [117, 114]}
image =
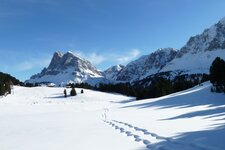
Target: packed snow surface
{"type": "Point", "coordinates": [42, 119]}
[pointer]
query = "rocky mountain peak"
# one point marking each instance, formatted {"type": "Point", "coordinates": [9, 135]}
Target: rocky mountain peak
{"type": "Point", "coordinates": [112, 72]}
{"type": "Point", "coordinates": [66, 67]}
{"type": "Point", "coordinates": [211, 39]}
{"type": "Point", "coordinates": [58, 54]}
{"type": "Point", "coordinates": [222, 21]}
{"type": "Point", "coordinates": [55, 59]}
{"type": "Point", "coordinates": [116, 68]}
{"type": "Point", "coordinates": [146, 65]}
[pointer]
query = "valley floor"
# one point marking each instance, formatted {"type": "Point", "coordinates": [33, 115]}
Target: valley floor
{"type": "Point", "coordinates": [41, 118]}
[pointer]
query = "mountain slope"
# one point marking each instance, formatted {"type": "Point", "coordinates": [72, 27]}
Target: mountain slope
{"type": "Point", "coordinates": [193, 58]}
{"type": "Point", "coordinates": [112, 72]}
{"type": "Point", "coordinates": [146, 65]}
{"type": "Point", "coordinates": [199, 52]}
{"type": "Point", "coordinates": [68, 68]}
{"type": "Point", "coordinates": [190, 120]}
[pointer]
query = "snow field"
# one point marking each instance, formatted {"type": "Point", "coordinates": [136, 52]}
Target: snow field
{"type": "Point", "coordinates": [41, 118]}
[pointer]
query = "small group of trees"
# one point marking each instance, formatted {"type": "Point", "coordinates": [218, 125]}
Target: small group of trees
{"type": "Point", "coordinates": [217, 75]}
{"type": "Point", "coordinates": [72, 91]}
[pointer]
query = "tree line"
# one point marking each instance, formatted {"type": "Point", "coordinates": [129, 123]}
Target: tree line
{"type": "Point", "coordinates": [158, 86]}
{"type": "Point", "coordinates": [6, 83]}
{"type": "Point", "coordinates": [155, 86]}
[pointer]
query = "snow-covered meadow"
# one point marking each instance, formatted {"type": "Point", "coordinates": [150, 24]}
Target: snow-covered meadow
{"type": "Point", "coordinates": [41, 118]}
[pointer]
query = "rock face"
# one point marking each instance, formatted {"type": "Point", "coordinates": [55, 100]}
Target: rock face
{"type": "Point", "coordinates": [211, 39]}
{"type": "Point", "coordinates": [112, 72]}
{"type": "Point", "coordinates": [67, 68]}
{"type": "Point", "coordinates": [146, 65]}
{"type": "Point", "coordinates": [199, 52]}
{"type": "Point", "coordinates": [193, 58]}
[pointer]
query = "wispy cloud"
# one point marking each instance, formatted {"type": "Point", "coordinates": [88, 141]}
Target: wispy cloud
{"type": "Point", "coordinates": [93, 57]}
{"type": "Point", "coordinates": [134, 53]}
{"type": "Point", "coordinates": [33, 63]}
{"type": "Point", "coordinates": [97, 58]}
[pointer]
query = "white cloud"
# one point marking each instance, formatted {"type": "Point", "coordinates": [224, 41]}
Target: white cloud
{"type": "Point", "coordinates": [79, 53]}
{"type": "Point", "coordinates": [130, 56]}
{"type": "Point", "coordinates": [96, 59]}
{"type": "Point", "coordinates": [23, 66]}
{"type": "Point", "coordinates": [32, 63]}
{"type": "Point", "coordinates": [93, 57]}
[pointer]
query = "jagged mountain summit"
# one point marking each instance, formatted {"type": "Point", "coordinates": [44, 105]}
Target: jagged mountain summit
{"type": "Point", "coordinates": [193, 58]}
{"type": "Point", "coordinates": [112, 72]}
{"type": "Point", "coordinates": [211, 39]}
{"type": "Point", "coordinates": [146, 65]}
{"type": "Point", "coordinates": [68, 68]}
{"type": "Point", "coordinates": [199, 52]}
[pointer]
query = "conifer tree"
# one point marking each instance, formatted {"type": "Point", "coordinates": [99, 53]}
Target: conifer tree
{"type": "Point", "coordinates": [73, 92]}
{"type": "Point", "coordinates": [217, 74]}
{"type": "Point", "coordinates": [2, 89]}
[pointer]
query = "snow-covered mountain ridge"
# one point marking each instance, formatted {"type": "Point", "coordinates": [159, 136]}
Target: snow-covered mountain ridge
{"type": "Point", "coordinates": [66, 68]}
{"type": "Point", "coordinates": [112, 72]}
{"type": "Point", "coordinates": [146, 65]}
{"type": "Point", "coordinates": [199, 52]}
{"type": "Point", "coordinates": [195, 57]}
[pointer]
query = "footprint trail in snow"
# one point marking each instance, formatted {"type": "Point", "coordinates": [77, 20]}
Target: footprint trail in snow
{"type": "Point", "coordinates": [148, 138]}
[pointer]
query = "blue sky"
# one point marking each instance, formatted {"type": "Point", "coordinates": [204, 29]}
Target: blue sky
{"type": "Point", "coordinates": [107, 32]}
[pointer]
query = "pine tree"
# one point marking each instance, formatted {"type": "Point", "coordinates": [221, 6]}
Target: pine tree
{"type": "Point", "coordinates": [2, 89]}
{"type": "Point", "coordinates": [65, 93]}
{"type": "Point", "coordinates": [217, 74]}
{"type": "Point", "coordinates": [73, 92]}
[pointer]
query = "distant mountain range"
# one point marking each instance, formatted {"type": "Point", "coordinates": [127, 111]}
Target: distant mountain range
{"type": "Point", "coordinates": [193, 58]}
